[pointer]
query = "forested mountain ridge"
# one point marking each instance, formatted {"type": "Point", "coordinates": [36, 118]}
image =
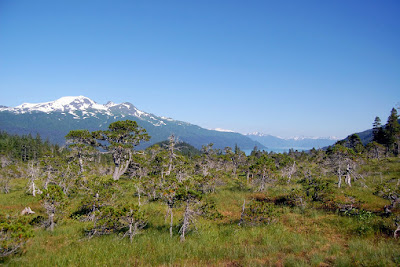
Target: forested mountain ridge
{"type": "Point", "coordinates": [53, 120]}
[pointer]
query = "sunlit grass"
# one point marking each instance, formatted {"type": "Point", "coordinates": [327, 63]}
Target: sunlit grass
{"type": "Point", "coordinates": [310, 236]}
{"type": "Point", "coordinates": [295, 239]}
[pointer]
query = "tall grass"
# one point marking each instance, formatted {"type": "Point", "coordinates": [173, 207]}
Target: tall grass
{"type": "Point", "coordinates": [296, 240]}
{"type": "Point", "coordinates": [297, 237]}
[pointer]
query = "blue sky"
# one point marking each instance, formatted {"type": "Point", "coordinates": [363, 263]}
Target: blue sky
{"type": "Point", "coordinates": [312, 68]}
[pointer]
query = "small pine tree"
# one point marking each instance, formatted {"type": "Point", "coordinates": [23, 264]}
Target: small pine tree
{"type": "Point", "coordinates": [392, 131]}
{"type": "Point", "coordinates": [53, 199]}
{"type": "Point", "coordinates": [355, 143]}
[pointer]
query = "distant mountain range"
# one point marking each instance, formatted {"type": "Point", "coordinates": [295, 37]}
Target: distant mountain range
{"type": "Point", "coordinates": [299, 143]}
{"type": "Point", "coordinates": [53, 120]}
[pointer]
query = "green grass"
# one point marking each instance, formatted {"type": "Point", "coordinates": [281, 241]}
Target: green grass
{"type": "Point", "coordinates": [213, 244]}
{"type": "Point", "coordinates": [297, 237]}
{"type": "Point", "coordinates": [311, 238]}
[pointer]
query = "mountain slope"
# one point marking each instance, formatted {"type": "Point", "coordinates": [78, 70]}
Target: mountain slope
{"type": "Point", "coordinates": [303, 143]}
{"type": "Point", "coordinates": [365, 136]}
{"type": "Point", "coordinates": [55, 119]}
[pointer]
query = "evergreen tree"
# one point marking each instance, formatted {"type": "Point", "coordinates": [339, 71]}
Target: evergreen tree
{"type": "Point", "coordinates": [392, 131]}
{"type": "Point", "coordinates": [81, 142]}
{"type": "Point", "coordinates": [378, 131]}
{"type": "Point", "coordinates": [376, 126]}
{"type": "Point", "coordinates": [264, 168]}
{"type": "Point", "coordinates": [355, 143]}
{"type": "Point", "coordinates": [237, 149]}
{"type": "Point", "coordinates": [53, 200]}
{"type": "Point", "coordinates": [121, 138]}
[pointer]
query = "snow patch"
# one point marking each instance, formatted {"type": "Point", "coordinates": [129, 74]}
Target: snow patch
{"type": "Point", "coordinates": [258, 134]}
{"type": "Point", "coordinates": [166, 118]}
{"type": "Point", "coordinates": [223, 130]}
{"type": "Point", "coordinates": [139, 113]}
{"type": "Point", "coordinates": [298, 138]}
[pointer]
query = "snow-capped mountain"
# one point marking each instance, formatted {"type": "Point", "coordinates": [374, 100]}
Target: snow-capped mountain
{"type": "Point", "coordinates": [299, 138]}
{"type": "Point", "coordinates": [55, 119]}
{"type": "Point", "coordinates": [295, 138]}
{"type": "Point", "coordinates": [81, 107]}
{"type": "Point", "coordinates": [64, 104]}
{"type": "Point", "coordinates": [297, 142]}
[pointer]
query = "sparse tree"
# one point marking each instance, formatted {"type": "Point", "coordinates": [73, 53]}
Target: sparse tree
{"type": "Point", "coordinates": [264, 168]}
{"type": "Point", "coordinates": [6, 175]}
{"type": "Point", "coordinates": [133, 217]}
{"type": "Point", "coordinates": [81, 143]}
{"type": "Point", "coordinates": [171, 153]}
{"type": "Point", "coordinates": [191, 199]}
{"type": "Point", "coordinates": [53, 199]}
{"type": "Point", "coordinates": [340, 159]}
{"type": "Point", "coordinates": [121, 137]}
{"type": "Point", "coordinates": [375, 150]}
{"type": "Point", "coordinates": [170, 198]}
{"type": "Point", "coordinates": [34, 174]}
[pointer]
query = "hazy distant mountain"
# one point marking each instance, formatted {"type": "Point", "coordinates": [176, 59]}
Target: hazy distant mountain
{"type": "Point", "coordinates": [55, 119]}
{"type": "Point", "coordinates": [300, 143]}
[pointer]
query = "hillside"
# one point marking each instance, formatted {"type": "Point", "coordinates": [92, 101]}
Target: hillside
{"type": "Point", "coordinates": [53, 120]}
{"type": "Point", "coordinates": [365, 136]}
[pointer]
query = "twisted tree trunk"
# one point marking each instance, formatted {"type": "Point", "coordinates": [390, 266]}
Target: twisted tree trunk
{"type": "Point", "coordinates": [120, 168]}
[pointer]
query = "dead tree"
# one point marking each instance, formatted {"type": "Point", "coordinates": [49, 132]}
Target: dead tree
{"type": "Point", "coordinates": [6, 175]}
{"type": "Point", "coordinates": [289, 171]}
{"type": "Point", "coordinates": [191, 200]}
{"type": "Point", "coordinates": [394, 200]}
{"type": "Point", "coordinates": [5, 183]}
{"type": "Point", "coordinates": [264, 169]}
{"type": "Point", "coordinates": [133, 217]}
{"type": "Point", "coordinates": [26, 211]}
{"type": "Point", "coordinates": [340, 159]}
{"type": "Point", "coordinates": [189, 218]}
{"type": "Point", "coordinates": [242, 214]}
{"type": "Point", "coordinates": [171, 153]}
{"type": "Point", "coordinates": [34, 173]}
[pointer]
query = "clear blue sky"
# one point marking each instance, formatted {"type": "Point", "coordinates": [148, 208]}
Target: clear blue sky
{"type": "Point", "coordinates": [314, 68]}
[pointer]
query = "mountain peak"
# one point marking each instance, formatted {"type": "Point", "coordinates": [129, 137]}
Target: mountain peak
{"type": "Point", "coordinates": [56, 118]}
{"type": "Point", "coordinates": [63, 104]}
{"type": "Point", "coordinates": [87, 108]}
{"type": "Point", "coordinates": [110, 104]}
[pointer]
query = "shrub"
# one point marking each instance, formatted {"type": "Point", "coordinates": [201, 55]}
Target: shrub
{"type": "Point", "coordinates": [258, 212]}
{"type": "Point", "coordinates": [13, 235]}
